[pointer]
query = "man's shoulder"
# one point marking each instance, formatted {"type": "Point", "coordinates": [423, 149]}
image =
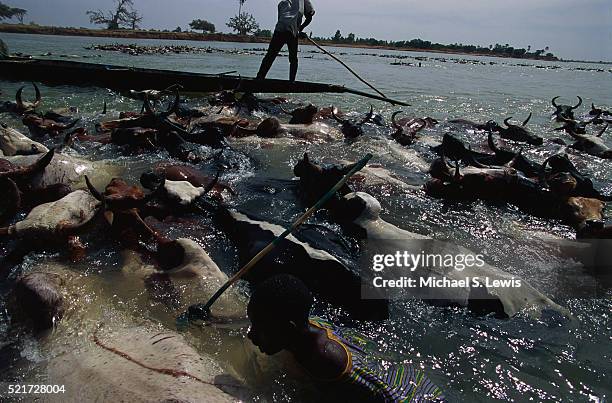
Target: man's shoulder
{"type": "Point", "coordinates": [308, 8]}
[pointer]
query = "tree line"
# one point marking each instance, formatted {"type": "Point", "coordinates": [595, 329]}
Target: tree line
{"type": "Point", "coordinates": [497, 49]}
{"type": "Point", "coordinates": [244, 23]}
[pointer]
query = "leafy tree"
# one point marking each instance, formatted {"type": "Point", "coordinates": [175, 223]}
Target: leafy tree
{"type": "Point", "coordinates": [178, 29]}
{"type": "Point", "coordinates": [337, 37]}
{"type": "Point", "coordinates": [19, 13]}
{"type": "Point", "coordinates": [243, 24]}
{"type": "Point", "coordinates": [264, 33]}
{"type": "Point", "coordinates": [124, 15]}
{"type": "Point", "coordinates": [8, 12]}
{"type": "Point", "coordinates": [202, 25]}
{"type": "Point", "coordinates": [350, 38]}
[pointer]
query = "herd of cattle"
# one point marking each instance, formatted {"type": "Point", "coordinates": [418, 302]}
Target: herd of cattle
{"type": "Point", "coordinates": [57, 193]}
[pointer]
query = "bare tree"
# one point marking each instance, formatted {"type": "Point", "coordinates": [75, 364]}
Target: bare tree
{"type": "Point", "coordinates": [124, 15]}
{"type": "Point", "coordinates": [133, 19]}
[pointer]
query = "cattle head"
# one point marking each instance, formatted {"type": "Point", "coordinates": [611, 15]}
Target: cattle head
{"type": "Point", "coordinates": [441, 170]}
{"type": "Point", "coordinates": [173, 108]}
{"type": "Point", "coordinates": [452, 147]}
{"type": "Point", "coordinates": [305, 168]}
{"type": "Point", "coordinates": [303, 116]}
{"type": "Point", "coordinates": [520, 133]}
{"type": "Point", "coordinates": [20, 106]}
{"type": "Point", "coordinates": [595, 111]}
{"type": "Point", "coordinates": [270, 128]}
{"type": "Point", "coordinates": [572, 125]}
{"type": "Point", "coordinates": [405, 135]}
{"type": "Point", "coordinates": [565, 111]}
{"type": "Point", "coordinates": [351, 128]}
{"type": "Point", "coordinates": [582, 211]}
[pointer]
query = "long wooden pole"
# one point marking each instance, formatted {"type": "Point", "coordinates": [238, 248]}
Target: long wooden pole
{"type": "Point", "coordinates": [322, 49]}
{"type": "Point", "coordinates": [202, 311]}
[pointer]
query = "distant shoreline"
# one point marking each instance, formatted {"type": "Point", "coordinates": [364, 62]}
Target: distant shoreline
{"type": "Point", "coordinates": [217, 37]}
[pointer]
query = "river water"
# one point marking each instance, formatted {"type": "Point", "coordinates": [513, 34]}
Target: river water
{"type": "Point", "coordinates": [471, 358]}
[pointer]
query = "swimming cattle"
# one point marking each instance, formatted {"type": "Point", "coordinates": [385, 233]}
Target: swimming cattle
{"type": "Point", "coordinates": [564, 111]}
{"type": "Point", "coordinates": [519, 133]}
{"type": "Point", "coordinates": [361, 212]}
{"type": "Point", "coordinates": [20, 107]}
{"type": "Point", "coordinates": [352, 128]}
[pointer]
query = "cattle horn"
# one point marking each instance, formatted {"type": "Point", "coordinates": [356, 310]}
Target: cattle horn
{"type": "Point", "coordinates": [368, 117]}
{"type": "Point", "coordinates": [507, 120]}
{"type": "Point", "coordinates": [333, 112]}
{"type": "Point", "coordinates": [579, 103]}
{"type": "Point", "coordinates": [38, 97]}
{"type": "Point", "coordinates": [554, 103]}
{"type": "Point", "coordinates": [38, 166]}
{"type": "Point", "coordinates": [528, 119]}
{"type": "Point", "coordinates": [515, 159]}
{"type": "Point", "coordinates": [18, 99]}
{"type": "Point", "coordinates": [543, 181]}
{"type": "Point", "coordinates": [602, 131]}
{"type": "Point", "coordinates": [43, 161]}
{"type": "Point", "coordinates": [94, 192]}
{"type": "Point", "coordinates": [394, 122]}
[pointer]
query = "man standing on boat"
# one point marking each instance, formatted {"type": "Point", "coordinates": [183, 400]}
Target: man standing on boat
{"type": "Point", "coordinates": [288, 30]}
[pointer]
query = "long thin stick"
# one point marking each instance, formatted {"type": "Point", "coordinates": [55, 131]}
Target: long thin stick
{"type": "Point", "coordinates": [346, 66]}
{"type": "Point", "coordinates": [202, 311]}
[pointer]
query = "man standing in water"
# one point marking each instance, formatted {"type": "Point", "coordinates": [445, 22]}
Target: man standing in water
{"type": "Point", "coordinates": [288, 30]}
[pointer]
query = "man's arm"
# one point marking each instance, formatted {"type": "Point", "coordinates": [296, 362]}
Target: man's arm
{"type": "Point", "coordinates": [308, 13]}
{"type": "Point", "coordinates": [307, 21]}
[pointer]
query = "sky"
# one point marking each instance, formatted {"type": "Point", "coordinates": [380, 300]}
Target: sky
{"type": "Point", "coordinates": [573, 29]}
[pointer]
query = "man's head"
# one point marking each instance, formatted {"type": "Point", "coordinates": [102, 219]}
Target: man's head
{"type": "Point", "coordinates": [278, 311]}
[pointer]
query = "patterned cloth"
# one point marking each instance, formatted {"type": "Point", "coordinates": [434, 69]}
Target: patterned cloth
{"type": "Point", "coordinates": [395, 383]}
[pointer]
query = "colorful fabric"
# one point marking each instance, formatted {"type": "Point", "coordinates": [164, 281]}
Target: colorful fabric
{"type": "Point", "coordinates": [393, 383]}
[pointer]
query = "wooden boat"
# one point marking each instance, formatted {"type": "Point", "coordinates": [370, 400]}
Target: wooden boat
{"type": "Point", "coordinates": [61, 72]}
